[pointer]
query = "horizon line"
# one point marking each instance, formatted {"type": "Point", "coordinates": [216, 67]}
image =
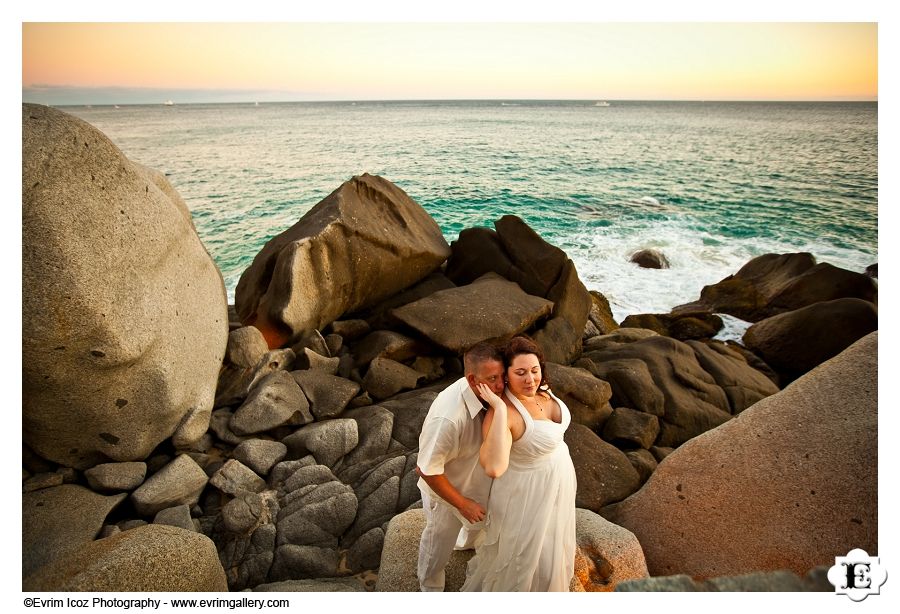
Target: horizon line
{"type": "Point", "coordinates": [169, 102]}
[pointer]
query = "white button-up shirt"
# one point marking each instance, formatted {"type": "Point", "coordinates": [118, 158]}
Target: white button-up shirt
{"type": "Point", "coordinates": [451, 440]}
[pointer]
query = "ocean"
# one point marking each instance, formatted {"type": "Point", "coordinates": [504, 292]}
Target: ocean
{"type": "Point", "coordinates": [710, 184]}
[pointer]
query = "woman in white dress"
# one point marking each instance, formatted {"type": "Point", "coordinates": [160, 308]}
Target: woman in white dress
{"type": "Point", "coordinates": [529, 542]}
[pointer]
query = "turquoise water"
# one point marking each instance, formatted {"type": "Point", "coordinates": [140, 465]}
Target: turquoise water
{"type": "Point", "coordinates": [709, 184]}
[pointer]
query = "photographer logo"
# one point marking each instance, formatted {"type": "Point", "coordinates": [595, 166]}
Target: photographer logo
{"type": "Point", "coordinates": [857, 575]}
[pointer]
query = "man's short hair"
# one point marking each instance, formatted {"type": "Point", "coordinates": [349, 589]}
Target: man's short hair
{"type": "Point", "coordinates": [482, 351]}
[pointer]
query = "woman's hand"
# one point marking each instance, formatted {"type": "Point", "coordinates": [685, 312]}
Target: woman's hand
{"type": "Point", "coordinates": [492, 399]}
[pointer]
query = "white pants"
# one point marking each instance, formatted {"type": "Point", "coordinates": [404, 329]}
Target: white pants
{"type": "Point", "coordinates": [443, 531]}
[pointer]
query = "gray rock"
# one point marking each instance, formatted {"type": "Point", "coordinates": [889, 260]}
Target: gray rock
{"type": "Point", "coordinates": [335, 343]}
{"type": "Point", "coordinates": [308, 359]}
{"type": "Point", "coordinates": [586, 396]}
{"type": "Point", "coordinates": [409, 410]}
{"type": "Point", "coordinates": [153, 558]}
{"type": "Point", "coordinates": [219, 423]}
{"type": "Point", "coordinates": [431, 367]}
{"type": "Point", "coordinates": [235, 383]}
{"type": "Point", "coordinates": [113, 275]}
{"type": "Point", "coordinates": [128, 525]}
{"type": "Point", "coordinates": [178, 516]}
{"type": "Point", "coordinates": [367, 230]}
{"type": "Point", "coordinates": [311, 340]}
{"type": "Point", "coordinates": [327, 441]}
{"type": "Point", "coordinates": [605, 474]}
{"type": "Point", "coordinates": [57, 521]}
{"type": "Point", "coordinates": [823, 501]}
{"type": "Point", "coordinates": [643, 462]}
{"type": "Point", "coordinates": [376, 508]}
{"type": "Point", "coordinates": [275, 401]}
{"type": "Point", "coordinates": [365, 553]}
{"type": "Point", "coordinates": [350, 330]}
{"type": "Point", "coordinates": [617, 337]}
{"type": "Point", "coordinates": [680, 583]}
{"type": "Point", "coordinates": [489, 307]}
{"type": "Point", "coordinates": [260, 454]}
{"type": "Point", "coordinates": [387, 377]}
{"type": "Point", "coordinates": [234, 478]}
{"type": "Point", "coordinates": [116, 476]}
{"type": "Point", "coordinates": [248, 511]}
{"type": "Point", "coordinates": [630, 381]}
{"type": "Point", "coordinates": [181, 481]}
{"type": "Point", "coordinates": [328, 394]}
{"type": "Point", "coordinates": [246, 346]}
{"type": "Point", "coordinates": [285, 469]}
{"type": "Point", "coordinates": [650, 259]}
{"type": "Point", "coordinates": [606, 554]}
{"type": "Point", "coordinates": [385, 344]}
{"type": "Point", "coordinates": [298, 562]}
{"type": "Point", "coordinates": [397, 571]}
{"type": "Point", "coordinates": [318, 585]}
{"type": "Point", "coordinates": [316, 509]}
{"type": "Point", "coordinates": [247, 560]}
{"type": "Point", "coordinates": [628, 428]}
{"type": "Point", "coordinates": [660, 452]}
{"type": "Point", "coordinates": [375, 425]}
{"type": "Point", "coordinates": [41, 481]}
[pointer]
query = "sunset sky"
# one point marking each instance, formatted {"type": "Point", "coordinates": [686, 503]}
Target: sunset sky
{"type": "Point", "coordinates": [92, 63]}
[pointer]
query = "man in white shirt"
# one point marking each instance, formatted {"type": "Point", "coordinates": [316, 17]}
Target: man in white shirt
{"type": "Point", "coordinates": [454, 486]}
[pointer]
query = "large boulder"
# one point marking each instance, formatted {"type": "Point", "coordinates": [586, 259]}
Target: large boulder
{"type": "Point", "coordinates": [776, 283]}
{"type": "Point", "coordinates": [650, 259]}
{"type": "Point", "coordinates": [793, 343]}
{"type": "Point", "coordinates": [368, 231]}
{"type": "Point", "coordinates": [692, 400]}
{"type": "Point", "coordinates": [151, 558]}
{"type": "Point", "coordinates": [605, 555]}
{"type": "Point", "coordinates": [490, 307]}
{"type": "Point", "coordinates": [125, 318]}
{"type": "Point", "coordinates": [517, 253]}
{"type": "Point", "coordinates": [784, 485]}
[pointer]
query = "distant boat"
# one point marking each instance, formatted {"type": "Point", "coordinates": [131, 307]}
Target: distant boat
{"type": "Point", "coordinates": [255, 104]}
{"type": "Point", "coordinates": [169, 103]}
{"type": "Point", "coordinates": [602, 103]}
{"type": "Point", "coordinates": [115, 106]}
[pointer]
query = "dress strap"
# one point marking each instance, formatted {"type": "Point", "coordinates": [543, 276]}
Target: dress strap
{"type": "Point", "coordinates": [529, 421]}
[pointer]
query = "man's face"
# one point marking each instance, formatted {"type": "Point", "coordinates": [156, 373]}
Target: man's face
{"type": "Point", "coordinates": [489, 372]}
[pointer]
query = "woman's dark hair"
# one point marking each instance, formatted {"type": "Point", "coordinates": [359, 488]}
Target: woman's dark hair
{"type": "Point", "coordinates": [523, 344]}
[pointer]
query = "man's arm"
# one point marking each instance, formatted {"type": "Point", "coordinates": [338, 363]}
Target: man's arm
{"type": "Point", "coordinates": [471, 510]}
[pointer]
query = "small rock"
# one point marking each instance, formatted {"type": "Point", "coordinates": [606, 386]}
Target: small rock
{"type": "Point", "coordinates": [260, 454]}
{"type": "Point", "coordinates": [181, 481]}
{"type": "Point", "coordinates": [234, 478]}
{"type": "Point", "coordinates": [328, 394]}
{"type": "Point", "coordinates": [41, 481]}
{"type": "Point", "coordinates": [116, 476]}
{"type": "Point", "coordinates": [327, 441]}
{"type": "Point", "coordinates": [627, 428]}
{"type": "Point", "coordinates": [178, 516]}
{"type": "Point", "coordinates": [276, 400]}
{"type": "Point", "coordinates": [387, 377]}
{"type": "Point", "coordinates": [650, 259]}
{"type": "Point", "coordinates": [246, 346]}
{"type": "Point", "coordinates": [350, 330]}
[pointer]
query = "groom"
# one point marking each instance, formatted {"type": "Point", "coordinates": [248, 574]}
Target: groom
{"type": "Point", "coordinates": [453, 484]}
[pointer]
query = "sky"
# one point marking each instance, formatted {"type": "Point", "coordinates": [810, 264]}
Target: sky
{"type": "Point", "coordinates": [113, 63]}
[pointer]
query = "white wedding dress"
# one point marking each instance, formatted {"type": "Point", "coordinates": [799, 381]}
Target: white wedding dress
{"type": "Point", "coordinates": [529, 542]}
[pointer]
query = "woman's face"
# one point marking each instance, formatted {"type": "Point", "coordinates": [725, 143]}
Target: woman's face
{"type": "Point", "coordinates": [524, 375]}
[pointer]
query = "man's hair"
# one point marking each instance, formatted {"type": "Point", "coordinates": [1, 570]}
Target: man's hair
{"type": "Point", "coordinates": [482, 351]}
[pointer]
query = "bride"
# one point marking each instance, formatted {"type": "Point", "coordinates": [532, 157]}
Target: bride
{"type": "Point", "coordinates": [529, 540]}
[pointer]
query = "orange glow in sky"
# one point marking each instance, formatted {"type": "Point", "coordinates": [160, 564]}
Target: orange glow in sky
{"type": "Point", "coordinates": [379, 61]}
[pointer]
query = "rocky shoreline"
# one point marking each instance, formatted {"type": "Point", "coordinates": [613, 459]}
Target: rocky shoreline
{"type": "Point", "coordinates": [271, 445]}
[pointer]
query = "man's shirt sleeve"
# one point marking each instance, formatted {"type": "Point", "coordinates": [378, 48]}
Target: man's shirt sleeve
{"type": "Point", "coordinates": [438, 444]}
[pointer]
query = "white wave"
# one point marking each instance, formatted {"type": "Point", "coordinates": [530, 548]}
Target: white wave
{"type": "Point", "coordinates": [696, 259]}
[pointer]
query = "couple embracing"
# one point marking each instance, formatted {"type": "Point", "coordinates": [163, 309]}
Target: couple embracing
{"type": "Point", "coordinates": [496, 475]}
